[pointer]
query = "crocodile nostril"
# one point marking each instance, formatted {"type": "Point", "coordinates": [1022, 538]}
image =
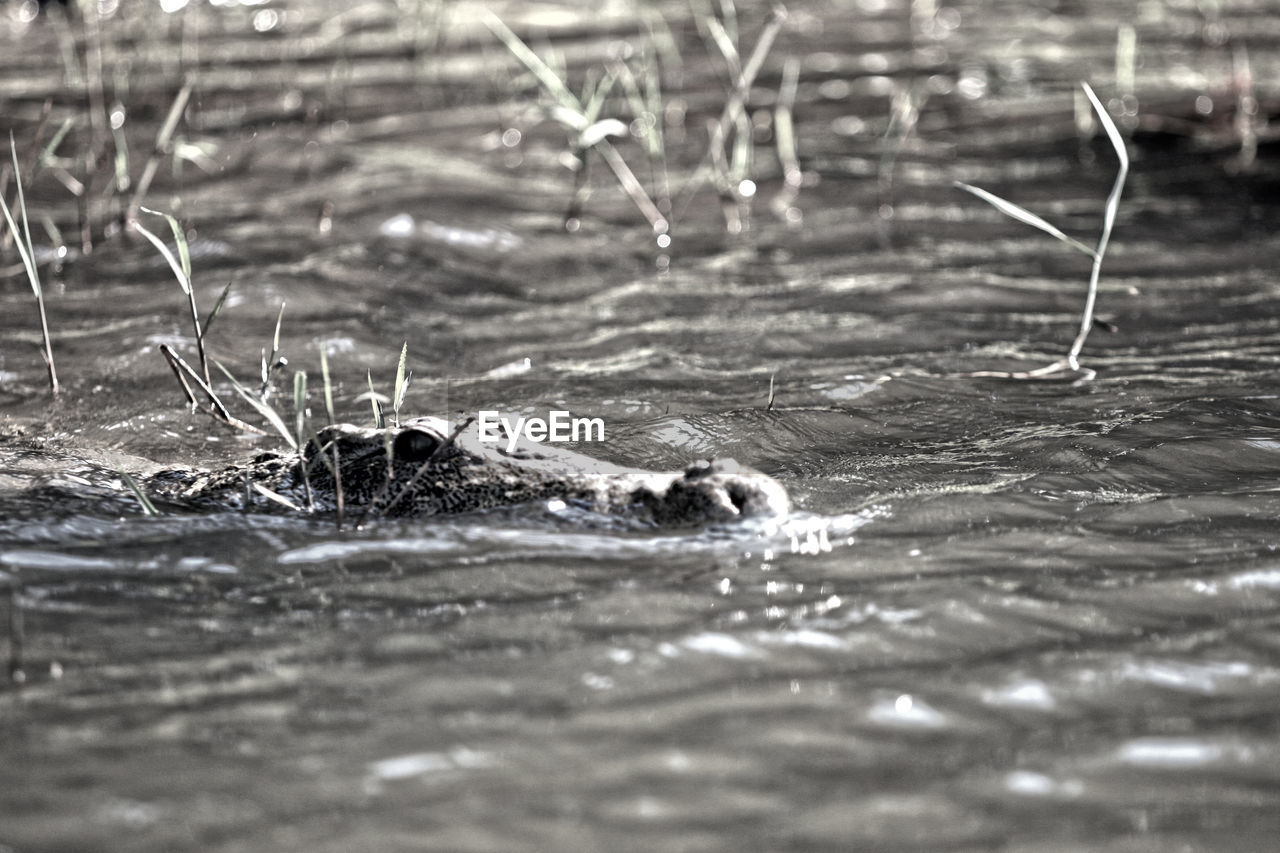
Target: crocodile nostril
{"type": "Point", "coordinates": [414, 445]}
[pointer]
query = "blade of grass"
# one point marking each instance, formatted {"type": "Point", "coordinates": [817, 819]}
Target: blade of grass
{"type": "Point", "coordinates": [632, 187]}
{"type": "Point", "coordinates": [300, 406]}
{"type": "Point", "coordinates": [276, 497]}
{"type": "Point", "coordinates": [655, 138]}
{"type": "Point", "coordinates": [54, 233]}
{"type": "Point", "coordinates": [26, 251]}
{"type": "Point", "coordinates": [46, 155]}
{"type": "Point", "coordinates": [21, 242]}
{"type": "Point", "coordinates": [339, 500]}
{"type": "Point", "coordinates": [328, 386]}
{"type": "Point", "coordinates": [22, 239]}
{"type": "Point", "coordinates": [734, 105]}
{"type": "Point", "coordinates": [743, 149]}
{"type": "Point", "coordinates": [1247, 122]}
{"type": "Point", "coordinates": [274, 363]}
{"type": "Point", "coordinates": [1071, 362]}
{"type": "Point", "coordinates": [301, 429]}
{"type": "Point", "coordinates": [401, 386]}
{"type": "Point", "coordinates": [784, 134]}
{"type": "Point", "coordinates": [642, 103]}
{"type": "Point", "coordinates": [275, 338]}
{"type": "Point", "coordinates": [187, 376]}
{"type": "Point", "coordinates": [332, 465]}
{"type": "Point", "coordinates": [777, 17]}
{"type": "Point", "coordinates": [1126, 59]}
{"type": "Point", "coordinates": [378, 422]}
{"type": "Point", "coordinates": [217, 308]}
{"type": "Point", "coordinates": [180, 241]}
{"type": "Point", "coordinates": [269, 414]}
{"type": "Point", "coordinates": [661, 37]}
{"type": "Point", "coordinates": [521, 51]}
{"type": "Point", "coordinates": [181, 267]}
{"type": "Point", "coordinates": [729, 12]}
{"type": "Point", "coordinates": [594, 134]}
{"type": "Point", "coordinates": [1023, 215]}
{"type": "Point", "coordinates": [573, 114]}
{"type": "Point", "coordinates": [1108, 222]}
{"type": "Point", "coordinates": [120, 162]}
{"type": "Point", "coordinates": [728, 50]}
{"type": "Point", "coordinates": [148, 508]}
{"type": "Point", "coordinates": [158, 151]}
{"type": "Point", "coordinates": [594, 101]}
{"type": "Point", "coordinates": [174, 264]}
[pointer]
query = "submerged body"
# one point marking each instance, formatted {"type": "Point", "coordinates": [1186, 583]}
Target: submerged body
{"type": "Point", "coordinates": [416, 470]}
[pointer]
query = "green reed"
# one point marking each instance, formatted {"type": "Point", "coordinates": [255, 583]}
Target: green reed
{"type": "Point", "coordinates": [148, 508]}
{"type": "Point", "coordinates": [1071, 361]}
{"type": "Point", "coordinates": [727, 161]}
{"type": "Point", "coordinates": [27, 252]}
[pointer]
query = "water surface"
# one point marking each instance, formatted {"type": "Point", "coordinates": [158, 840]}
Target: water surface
{"type": "Point", "coordinates": [1006, 615]}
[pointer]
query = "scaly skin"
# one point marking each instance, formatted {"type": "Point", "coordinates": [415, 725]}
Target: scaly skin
{"type": "Point", "coordinates": [427, 478]}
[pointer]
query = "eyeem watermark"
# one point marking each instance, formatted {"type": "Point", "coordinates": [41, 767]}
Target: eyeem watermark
{"type": "Point", "coordinates": [558, 426]}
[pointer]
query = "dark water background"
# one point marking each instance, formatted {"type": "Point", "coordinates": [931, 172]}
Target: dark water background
{"type": "Point", "coordinates": [1010, 615]}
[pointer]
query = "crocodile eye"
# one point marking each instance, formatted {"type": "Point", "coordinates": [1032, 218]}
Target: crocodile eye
{"type": "Point", "coordinates": [414, 445]}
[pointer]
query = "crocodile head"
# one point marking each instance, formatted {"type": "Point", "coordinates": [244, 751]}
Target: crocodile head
{"type": "Point", "coordinates": [423, 468]}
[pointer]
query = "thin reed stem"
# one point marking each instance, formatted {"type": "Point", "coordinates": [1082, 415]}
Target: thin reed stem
{"type": "Point", "coordinates": [1071, 361]}
{"type": "Point", "coordinates": [159, 150]}
{"type": "Point", "coordinates": [1108, 222]}
{"type": "Point", "coordinates": [26, 250]}
{"type": "Point", "coordinates": [733, 108]}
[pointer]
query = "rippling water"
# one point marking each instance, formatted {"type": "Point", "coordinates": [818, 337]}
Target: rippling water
{"type": "Point", "coordinates": [1006, 615]}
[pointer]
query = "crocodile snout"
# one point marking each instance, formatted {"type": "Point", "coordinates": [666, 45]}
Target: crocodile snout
{"type": "Point", "coordinates": [719, 490]}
